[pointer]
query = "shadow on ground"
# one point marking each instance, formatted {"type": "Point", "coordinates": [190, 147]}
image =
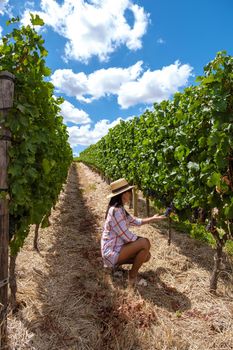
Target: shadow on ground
{"type": "Point", "coordinates": [157, 291]}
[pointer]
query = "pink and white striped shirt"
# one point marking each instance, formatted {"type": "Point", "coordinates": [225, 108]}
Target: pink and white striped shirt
{"type": "Point", "coordinates": [116, 233]}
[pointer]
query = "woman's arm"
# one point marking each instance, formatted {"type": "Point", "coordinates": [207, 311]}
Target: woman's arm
{"type": "Point", "coordinates": [154, 218]}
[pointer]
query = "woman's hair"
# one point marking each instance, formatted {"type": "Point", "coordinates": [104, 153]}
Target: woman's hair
{"type": "Point", "coordinates": [116, 201]}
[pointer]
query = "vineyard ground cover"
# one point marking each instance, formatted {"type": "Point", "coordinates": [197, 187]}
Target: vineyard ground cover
{"type": "Point", "coordinates": [69, 302]}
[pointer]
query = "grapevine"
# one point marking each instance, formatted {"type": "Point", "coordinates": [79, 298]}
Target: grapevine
{"type": "Point", "coordinates": [40, 154]}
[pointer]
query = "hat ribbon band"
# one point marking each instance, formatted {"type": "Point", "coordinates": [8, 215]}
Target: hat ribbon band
{"type": "Point", "coordinates": [120, 188]}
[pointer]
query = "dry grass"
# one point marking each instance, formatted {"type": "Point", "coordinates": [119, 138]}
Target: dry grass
{"type": "Point", "coordinates": [68, 301]}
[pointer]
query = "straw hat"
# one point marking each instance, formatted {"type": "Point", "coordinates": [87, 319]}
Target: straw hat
{"type": "Point", "coordinates": [119, 186]}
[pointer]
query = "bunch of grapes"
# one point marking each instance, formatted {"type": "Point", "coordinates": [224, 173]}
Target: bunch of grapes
{"type": "Point", "coordinates": [169, 210]}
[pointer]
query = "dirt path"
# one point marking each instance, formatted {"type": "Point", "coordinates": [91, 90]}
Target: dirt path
{"type": "Point", "coordinates": [70, 302]}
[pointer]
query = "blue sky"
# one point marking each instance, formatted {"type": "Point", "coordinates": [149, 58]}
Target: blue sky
{"type": "Point", "coordinates": [111, 59]}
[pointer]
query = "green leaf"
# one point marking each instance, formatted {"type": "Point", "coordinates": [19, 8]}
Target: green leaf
{"type": "Point", "coordinates": [209, 79]}
{"type": "Point", "coordinates": [228, 211]}
{"type": "Point", "coordinates": [46, 71]}
{"type": "Point", "coordinates": [214, 180]}
{"type": "Point", "coordinates": [220, 160]}
{"type": "Point", "coordinates": [46, 166]}
{"type": "Point", "coordinates": [36, 20]}
{"type": "Point", "coordinates": [202, 141]}
{"type": "Point", "coordinates": [181, 152]}
{"type": "Point", "coordinates": [21, 108]}
{"type": "Point", "coordinates": [214, 139]}
{"type": "Point", "coordinates": [146, 142]}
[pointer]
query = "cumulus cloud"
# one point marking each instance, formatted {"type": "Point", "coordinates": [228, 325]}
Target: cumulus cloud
{"type": "Point", "coordinates": [154, 86]}
{"type": "Point", "coordinates": [131, 85]}
{"type": "Point", "coordinates": [4, 8]}
{"type": "Point", "coordinates": [72, 114]}
{"type": "Point", "coordinates": [85, 135]}
{"type": "Point", "coordinates": [95, 85]}
{"type": "Point", "coordinates": [93, 28]}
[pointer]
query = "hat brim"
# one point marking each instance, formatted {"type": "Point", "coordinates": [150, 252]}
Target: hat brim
{"type": "Point", "coordinates": [120, 191]}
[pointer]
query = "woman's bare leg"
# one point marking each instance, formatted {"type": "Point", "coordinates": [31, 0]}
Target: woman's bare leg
{"type": "Point", "coordinates": [139, 252]}
{"type": "Point", "coordinates": [131, 260]}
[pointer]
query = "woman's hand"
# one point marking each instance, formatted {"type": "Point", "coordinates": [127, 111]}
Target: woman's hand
{"type": "Point", "coordinates": [154, 218]}
{"type": "Point", "coordinates": [158, 217]}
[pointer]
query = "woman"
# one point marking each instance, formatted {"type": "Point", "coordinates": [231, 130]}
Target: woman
{"type": "Point", "coordinates": [118, 244]}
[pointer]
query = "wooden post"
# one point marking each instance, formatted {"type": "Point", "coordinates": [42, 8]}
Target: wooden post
{"type": "Point", "coordinates": [135, 202]}
{"type": "Point", "coordinates": [35, 243]}
{"type": "Point", "coordinates": [131, 203]}
{"type": "Point", "coordinates": [147, 207]}
{"type": "Point", "coordinates": [6, 102]}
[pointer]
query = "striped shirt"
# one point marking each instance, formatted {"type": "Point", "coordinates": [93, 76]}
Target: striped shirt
{"type": "Point", "coordinates": [116, 233]}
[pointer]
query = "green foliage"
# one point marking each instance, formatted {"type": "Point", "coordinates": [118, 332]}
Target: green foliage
{"type": "Point", "coordinates": [40, 154]}
{"type": "Point", "coordinates": [182, 150]}
{"type": "Point", "coordinates": [199, 232]}
{"type": "Point", "coordinates": [229, 247]}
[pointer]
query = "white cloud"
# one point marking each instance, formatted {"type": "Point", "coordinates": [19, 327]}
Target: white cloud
{"type": "Point", "coordinates": [85, 135]}
{"type": "Point", "coordinates": [74, 115]}
{"type": "Point", "coordinates": [154, 86]}
{"type": "Point", "coordinates": [69, 83]}
{"type": "Point", "coordinates": [131, 85]}
{"type": "Point", "coordinates": [93, 28]}
{"type": "Point", "coordinates": [1, 29]}
{"type": "Point", "coordinates": [4, 8]}
{"type": "Point", "coordinates": [95, 85]}
{"type": "Point", "coordinates": [30, 4]}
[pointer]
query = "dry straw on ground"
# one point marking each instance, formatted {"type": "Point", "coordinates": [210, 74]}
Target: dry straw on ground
{"type": "Point", "coordinates": [69, 302]}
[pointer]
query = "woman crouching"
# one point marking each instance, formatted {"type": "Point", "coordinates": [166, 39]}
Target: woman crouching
{"type": "Point", "coordinates": [118, 244]}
